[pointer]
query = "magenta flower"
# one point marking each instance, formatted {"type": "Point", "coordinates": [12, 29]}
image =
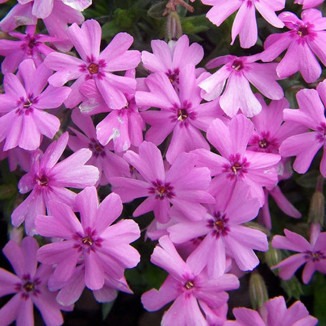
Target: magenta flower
{"type": "Point", "coordinates": [306, 4]}
{"type": "Point", "coordinates": [274, 313]}
{"type": "Point", "coordinates": [181, 114]}
{"type": "Point", "coordinates": [48, 181]}
{"type": "Point", "coordinates": [91, 245]}
{"type": "Point", "coordinates": [108, 163]}
{"type": "Point", "coordinates": [223, 234]}
{"type": "Point", "coordinates": [311, 115]}
{"type": "Point", "coordinates": [95, 65]}
{"type": "Point", "coordinates": [245, 24]}
{"type": "Point", "coordinates": [29, 287]}
{"type": "Point", "coordinates": [305, 40]}
{"type": "Point", "coordinates": [237, 164]}
{"type": "Point", "coordinates": [168, 58]}
{"type": "Point", "coordinates": [55, 14]}
{"type": "Point", "coordinates": [183, 185]}
{"type": "Point", "coordinates": [28, 46]}
{"type": "Point", "coordinates": [238, 73]}
{"type": "Point", "coordinates": [312, 254]}
{"type": "Point", "coordinates": [24, 119]}
{"type": "Point", "coordinates": [188, 286]}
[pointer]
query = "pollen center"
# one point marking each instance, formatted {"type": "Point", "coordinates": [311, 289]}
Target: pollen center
{"type": "Point", "coordinates": [87, 241]}
{"type": "Point", "coordinates": [237, 65]}
{"type": "Point", "coordinates": [182, 114]}
{"type": "Point", "coordinates": [189, 285]}
{"type": "Point", "coordinates": [42, 180]}
{"type": "Point", "coordinates": [303, 31]}
{"type": "Point", "coordinates": [93, 68]}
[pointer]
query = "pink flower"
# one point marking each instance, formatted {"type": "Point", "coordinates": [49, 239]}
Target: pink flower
{"type": "Point", "coordinates": [48, 181]}
{"type": "Point", "coordinates": [244, 23]}
{"type": "Point", "coordinates": [311, 115]}
{"type": "Point", "coordinates": [235, 163]}
{"type": "Point", "coordinates": [168, 58]}
{"type": "Point", "coordinates": [223, 234]}
{"type": "Point", "coordinates": [93, 246]}
{"type": "Point", "coordinates": [306, 4]}
{"type": "Point", "coordinates": [95, 65]}
{"type": "Point", "coordinates": [181, 114]}
{"type": "Point", "coordinates": [29, 46]}
{"type": "Point", "coordinates": [273, 313]}
{"type": "Point", "coordinates": [29, 287]}
{"type": "Point", "coordinates": [56, 16]}
{"type": "Point", "coordinates": [188, 286]}
{"type": "Point", "coordinates": [312, 254]}
{"type": "Point", "coordinates": [305, 40]}
{"type": "Point", "coordinates": [183, 185]}
{"type": "Point", "coordinates": [238, 73]}
{"type": "Point", "coordinates": [108, 163]}
{"type": "Point", "coordinates": [23, 104]}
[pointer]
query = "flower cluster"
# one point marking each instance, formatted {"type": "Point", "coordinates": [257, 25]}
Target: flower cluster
{"type": "Point", "coordinates": [196, 151]}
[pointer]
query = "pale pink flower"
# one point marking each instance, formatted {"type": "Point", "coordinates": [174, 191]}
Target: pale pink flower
{"type": "Point", "coordinates": [238, 73]}
{"type": "Point", "coordinates": [92, 246]}
{"type": "Point", "coordinates": [23, 104]}
{"type": "Point", "coordinates": [29, 286]}
{"type": "Point", "coordinates": [223, 233]}
{"type": "Point", "coordinates": [273, 313]}
{"type": "Point", "coordinates": [28, 46]}
{"type": "Point", "coordinates": [305, 40]}
{"type": "Point", "coordinates": [306, 4]}
{"type": "Point", "coordinates": [311, 115]}
{"type": "Point", "coordinates": [245, 24]}
{"type": "Point", "coordinates": [95, 65]}
{"type": "Point", "coordinates": [182, 185]}
{"type": "Point", "coordinates": [311, 254]}
{"type": "Point", "coordinates": [188, 286]}
{"type": "Point", "coordinates": [48, 180]}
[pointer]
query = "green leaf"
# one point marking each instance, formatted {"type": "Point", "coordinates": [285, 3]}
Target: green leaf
{"type": "Point", "coordinates": [195, 24]}
{"type": "Point", "coordinates": [292, 287]}
{"type": "Point", "coordinates": [7, 191]}
{"type": "Point", "coordinates": [106, 308]}
{"type": "Point", "coordinates": [320, 298]}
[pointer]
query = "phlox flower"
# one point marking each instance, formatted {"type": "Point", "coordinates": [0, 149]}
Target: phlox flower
{"type": "Point", "coordinates": [29, 286]}
{"type": "Point", "coordinates": [168, 58]}
{"type": "Point", "coordinates": [306, 4]}
{"type": "Point", "coordinates": [48, 180]}
{"type": "Point", "coordinates": [56, 15]}
{"type": "Point", "coordinates": [188, 286]}
{"type": "Point", "coordinates": [270, 131]}
{"type": "Point", "coordinates": [244, 24]}
{"type": "Point", "coordinates": [24, 119]}
{"type": "Point", "coordinates": [235, 163]}
{"type": "Point", "coordinates": [182, 185]}
{"type": "Point", "coordinates": [223, 234]}
{"type": "Point", "coordinates": [28, 46]}
{"type": "Point", "coordinates": [93, 252]}
{"type": "Point", "coordinates": [238, 73]}
{"type": "Point", "coordinates": [311, 254]}
{"type": "Point", "coordinates": [95, 65]}
{"type": "Point", "coordinates": [108, 163]}
{"type": "Point", "coordinates": [181, 114]}
{"type": "Point", "coordinates": [311, 115]}
{"type": "Point", "coordinates": [273, 313]}
{"type": "Point", "coordinates": [305, 40]}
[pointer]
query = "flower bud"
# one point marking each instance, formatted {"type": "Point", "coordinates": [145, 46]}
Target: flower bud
{"type": "Point", "coordinates": [273, 256]}
{"type": "Point", "coordinates": [173, 26]}
{"type": "Point", "coordinates": [317, 205]}
{"type": "Point", "coordinates": [257, 290]}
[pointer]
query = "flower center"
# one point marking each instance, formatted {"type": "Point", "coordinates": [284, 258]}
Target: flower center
{"type": "Point", "coordinates": [315, 256]}
{"type": "Point", "coordinates": [237, 65]}
{"type": "Point", "coordinates": [173, 76]}
{"type": "Point", "coordinates": [237, 167]}
{"type": "Point", "coordinates": [219, 224]}
{"type": "Point", "coordinates": [161, 190]}
{"type": "Point", "coordinates": [93, 68]}
{"type": "Point", "coordinates": [96, 148]}
{"type": "Point", "coordinates": [321, 132]}
{"type": "Point", "coordinates": [182, 114]}
{"type": "Point", "coordinates": [303, 31]}
{"type": "Point", "coordinates": [42, 181]}
{"type": "Point", "coordinates": [189, 285]}
{"type": "Point", "coordinates": [28, 287]}
{"type": "Point", "coordinates": [88, 241]}
{"type": "Point", "coordinates": [25, 105]}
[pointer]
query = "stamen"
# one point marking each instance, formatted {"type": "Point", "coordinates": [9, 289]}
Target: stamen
{"type": "Point", "coordinates": [93, 68]}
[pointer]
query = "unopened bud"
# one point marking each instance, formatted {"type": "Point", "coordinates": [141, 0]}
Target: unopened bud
{"type": "Point", "coordinates": [257, 290]}
{"type": "Point", "coordinates": [173, 26]}
{"type": "Point", "coordinates": [317, 205]}
{"type": "Point", "coordinates": [273, 256]}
